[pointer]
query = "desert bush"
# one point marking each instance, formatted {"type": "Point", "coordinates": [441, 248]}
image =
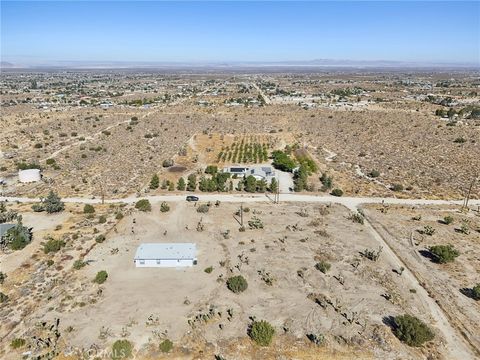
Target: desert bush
{"type": "Point", "coordinates": [102, 219]}
{"type": "Point", "coordinates": [166, 346]}
{"type": "Point", "coordinates": [203, 208]}
{"type": "Point", "coordinates": [261, 332]}
{"type": "Point", "coordinates": [164, 207]}
{"type": "Point", "coordinates": [50, 161]}
{"type": "Point", "coordinates": [255, 223]}
{"type": "Point", "coordinates": [53, 245]}
{"type": "Point", "coordinates": [3, 276]}
{"type": "Point", "coordinates": [428, 230]}
{"type": "Point", "coordinates": [101, 277]}
{"type": "Point", "coordinates": [374, 173]}
{"type": "Point", "coordinates": [476, 292]}
{"type": "Point", "coordinates": [3, 298]}
{"type": "Point", "coordinates": [100, 238]}
{"type": "Point", "coordinates": [78, 264]}
{"type": "Point", "coordinates": [237, 284]}
{"type": "Point", "coordinates": [17, 343]}
{"type": "Point", "coordinates": [443, 253]}
{"type": "Point", "coordinates": [464, 229]}
{"type": "Point", "coordinates": [357, 217]}
{"type": "Point", "coordinates": [88, 209]}
{"type": "Point", "coordinates": [397, 187]}
{"type": "Point", "coordinates": [411, 330]}
{"type": "Point", "coordinates": [119, 216]}
{"type": "Point", "coordinates": [38, 207]}
{"type": "Point", "coordinates": [372, 254]}
{"type": "Point", "coordinates": [167, 163]}
{"type": "Point", "coordinates": [317, 339]}
{"type": "Point", "coordinates": [143, 205]}
{"type": "Point", "coordinates": [327, 182]}
{"type": "Point", "coordinates": [323, 266]}
{"type": "Point", "coordinates": [122, 349]}
{"type": "Point", "coordinates": [337, 192]}
{"type": "Point", "coordinates": [209, 269]}
{"type": "Point", "coordinates": [447, 220]}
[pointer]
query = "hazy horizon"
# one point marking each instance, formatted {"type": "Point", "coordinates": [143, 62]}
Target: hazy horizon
{"type": "Point", "coordinates": [42, 33]}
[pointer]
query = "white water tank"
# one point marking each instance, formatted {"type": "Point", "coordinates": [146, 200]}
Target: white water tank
{"type": "Point", "coordinates": [30, 175]}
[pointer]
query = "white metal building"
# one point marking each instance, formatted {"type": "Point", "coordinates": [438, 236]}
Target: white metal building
{"type": "Point", "coordinates": [166, 255]}
{"type": "Point", "coordinates": [30, 175]}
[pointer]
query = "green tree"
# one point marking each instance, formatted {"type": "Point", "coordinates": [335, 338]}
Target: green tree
{"type": "Point", "coordinates": [250, 183]}
{"type": "Point", "coordinates": [327, 182]}
{"type": "Point", "coordinates": [143, 205]}
{"type": "Point", "coordinates": [282, 161]}
{"type": "Point", "coordinates": [192, 182]}
{"type": "Point", "coordinates": [211, 169]}
{"type": "Point", "coordinates": [53, 203]}
{"type": "Point", "coordinates": [17, 237]}
{"type": "Point", "coordinates": [154, 182]}
{"type": "Point", "coordinates": [181, 184]}
{"type": "Point", "coordinates": [261, 185]}
{"type": "Point", "coordinates": [273, 185]}
{"type": "Point", "coordinates": [300, 177]}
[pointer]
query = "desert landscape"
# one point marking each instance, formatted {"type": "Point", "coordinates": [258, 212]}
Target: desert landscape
{"type": "Point", "coordinates": [325, 207]}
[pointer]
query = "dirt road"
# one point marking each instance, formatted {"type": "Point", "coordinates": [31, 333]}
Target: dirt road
{"type": "Point", "coordinates": [350, 202]}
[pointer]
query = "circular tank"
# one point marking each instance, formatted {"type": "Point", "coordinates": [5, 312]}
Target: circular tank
{"type": "Point", "coordinates": [30, 175]}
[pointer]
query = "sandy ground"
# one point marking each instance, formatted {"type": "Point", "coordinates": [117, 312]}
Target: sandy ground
{"type": "Point", "coordinates": [348, 304]}
{"type": "Point", "coordinates": [449, 287]}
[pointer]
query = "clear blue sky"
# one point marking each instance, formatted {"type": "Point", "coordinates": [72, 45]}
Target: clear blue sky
{"type": "Point", "coordinates": [33, 32]}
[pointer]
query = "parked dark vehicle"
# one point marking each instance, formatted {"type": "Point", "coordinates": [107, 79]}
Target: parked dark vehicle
{"type": "Point", "coordinates": [192, 198]}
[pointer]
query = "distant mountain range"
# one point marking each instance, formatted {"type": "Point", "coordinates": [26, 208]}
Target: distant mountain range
{"type": "Point", "coordinates": [317, 63]}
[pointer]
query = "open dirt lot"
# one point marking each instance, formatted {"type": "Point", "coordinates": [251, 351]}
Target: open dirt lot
{"type": "Point", "coordinates": [349, 304]}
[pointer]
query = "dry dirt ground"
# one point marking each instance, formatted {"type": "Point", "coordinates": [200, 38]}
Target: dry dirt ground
{"type": "Point", "coordinates": [448, 284]}
{"type": "Point", "coordinates": [348, 304]}
{"type": "Point", "coordinates": [102, 151]}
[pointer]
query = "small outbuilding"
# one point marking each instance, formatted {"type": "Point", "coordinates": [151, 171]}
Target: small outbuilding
{"type": "Point", "coordinates": [4, 228]}
{"type": "Point", "coordinates": [166, 255]}
{"type": "Point", "coordinates": [29, 175]}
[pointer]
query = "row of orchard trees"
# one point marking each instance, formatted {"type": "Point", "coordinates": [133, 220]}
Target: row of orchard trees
{"type": "Point", "coordinates": [244, 153]}
{"type": "Point", "coordinates": [215, 181]}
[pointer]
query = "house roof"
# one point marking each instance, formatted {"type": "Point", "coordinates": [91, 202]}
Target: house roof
{"type": "Point", "coordinates": [4, 228]}
{"type": "Point", "coordinates": [166, 251]}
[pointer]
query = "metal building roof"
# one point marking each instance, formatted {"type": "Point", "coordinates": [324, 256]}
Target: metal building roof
{"type": "Point", "coordinates": [4, 228]}
{"type": "Point", "coordinates": [166, 251]}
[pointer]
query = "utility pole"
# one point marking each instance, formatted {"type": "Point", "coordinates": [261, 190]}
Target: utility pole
{"type": "Point", "coordinates": [241, 214]}
{"type": "Point", "coordinates": [277, 194]}
{"type": "Point", "coordinates": [467, 196]}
